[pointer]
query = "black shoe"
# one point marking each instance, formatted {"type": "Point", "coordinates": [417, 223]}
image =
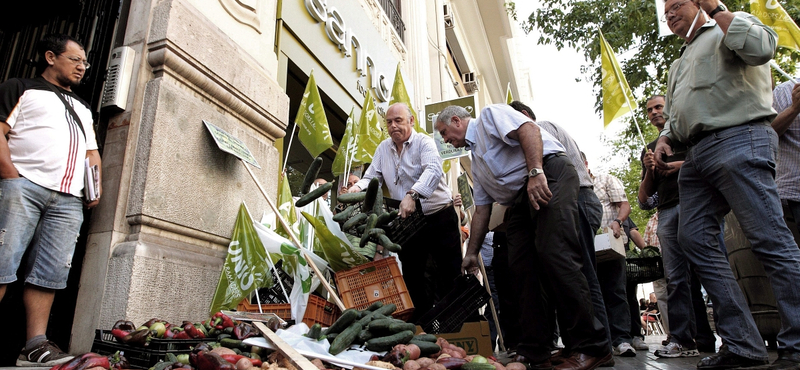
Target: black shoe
{"type": "Point", "coordinates": [727, 360]}
{"type": "Point", "coordinates": [786, 360]}
{"type": "Point", "coordinates": [707, 348]}
{"type": "Point", "coordinates": [544, 365]}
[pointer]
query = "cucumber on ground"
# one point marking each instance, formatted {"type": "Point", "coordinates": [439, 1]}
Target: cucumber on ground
{"type": "Point", "coordinates": [380, 326]}
{"type": "Point", "coordinates": [316, 193]}
{"type": "Point", "coordinates": [233, 344]}
{"type": "Point", "coordinates": [353, 221]}
{"type": "Point", "coordinates": [375, 305]}
{"type": "Point", "coordinates": [351, 197]}
{"type": "Point", "coordinates": [330, 337]}
{"type": "Point", "coordinates": [345, 338]}
{"type": "Point", "coordinates": [425, 338]}
{"type": "Point", "coordinates": [386, 343]}
{"type": "Point", "coordinates": [315, 331]}
{"type": "Point", "coordinates": [477, 366]}
{"type": "Point", "coordinates": [311, 175]}
{"type": "Point", "coordinates": [348, 316]}
{"type": "Point", "coordinates": [426, 348]}
{"type": "Point", "coordinates": [399, 326]}
{"type": "Point", "coordinates": [364, 336]}
{"type": "Point", "coordinates": [372, 192]}
{"type": "Point", "coordinates": [387, 309]}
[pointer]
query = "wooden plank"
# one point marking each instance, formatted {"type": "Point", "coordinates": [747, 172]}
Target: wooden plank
{"type": "Point", "coordinates": [291, 354]}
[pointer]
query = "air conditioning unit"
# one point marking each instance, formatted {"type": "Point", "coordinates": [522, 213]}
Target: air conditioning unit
{"type": "Point", "coordinates": [448, 17]}
{"type": "Point", "coordinates": [471, 83]}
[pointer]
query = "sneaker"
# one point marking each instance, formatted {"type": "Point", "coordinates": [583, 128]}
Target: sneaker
{"type": "Point", "coordinates": [46, 354]}
{"type": "Point", "coordinates": [673, 349]}
{"type": "Point", "coordinates": [666, 341]}
{"type": "Point", "coordinates": [624, 349]}
{"type": "Point", "coordinates": [638, 343]}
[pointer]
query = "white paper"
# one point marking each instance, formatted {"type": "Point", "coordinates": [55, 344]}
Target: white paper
{"type": "Point", "coordinates": [91, 181]}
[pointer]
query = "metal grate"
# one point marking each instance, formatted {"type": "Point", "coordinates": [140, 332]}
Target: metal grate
{"type": "Point", "coordinates": [394, 16]}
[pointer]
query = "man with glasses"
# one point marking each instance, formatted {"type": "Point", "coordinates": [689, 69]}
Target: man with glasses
{"type": "Point", "coordinates": [719, 105]}
{"type": "Point", "coordinates": [408, 163]}
{"type": "Point", "coordinates": [47, 137]}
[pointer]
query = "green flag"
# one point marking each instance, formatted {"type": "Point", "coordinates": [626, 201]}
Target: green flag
{"type": "Point", "coordinates": [509, 96]}
{"type": "Point", "coordinates": [347, 147]}
{"type": "Point", "coordinates": [286, 208]}
{"type": "Point", "coordinates": [772, 14]}
{"type": "Point", "coordinates": [314, 132]}
{"type": "Point", "coordinates": [400, 95]}
{"type": "Point", "coordinates": [617, 95]}
{"type": "Point", "coordinates": [370, 132]}
{"type": "Point", "coordinates": [337, 252]}
{"type": "Point", "coordinates": [245, 267]}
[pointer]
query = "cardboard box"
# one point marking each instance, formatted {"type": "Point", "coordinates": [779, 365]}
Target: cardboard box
{"type": "Point", "coordinates": [607, 247]}
{"type": "Point", "coordinates": [473, 337]}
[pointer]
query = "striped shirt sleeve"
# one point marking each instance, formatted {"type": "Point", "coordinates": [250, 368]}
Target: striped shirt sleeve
{"type": "Point", "coordinates": [431, 163]}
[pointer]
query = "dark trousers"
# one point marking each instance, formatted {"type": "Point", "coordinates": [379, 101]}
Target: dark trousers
{"type": "Point", "coordinates": [439, 240]}
{"type": "Point", "coordinates": [545, 258]}
{"type": "Point", "coordinates": [506, 293]}
{"type": "Point", "coordinates": [612, 281]}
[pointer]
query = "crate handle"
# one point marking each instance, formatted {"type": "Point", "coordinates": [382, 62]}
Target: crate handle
{"type": "Point", "coordinates": [367, 270]}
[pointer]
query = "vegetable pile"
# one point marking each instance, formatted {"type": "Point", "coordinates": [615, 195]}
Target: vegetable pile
{"type": "Point", "coordinates": [219, 327]}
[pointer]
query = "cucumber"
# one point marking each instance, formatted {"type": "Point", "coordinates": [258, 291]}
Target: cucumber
{"type": "Point", "coordinates": [375, 306]}
{"type": "Point", "coordinates": [386, 343]}
{"type": "Point", "coordinates": [316, 193]}
{"type": "Point", "coordinates": [477, 366]}
{"type": "Point", "coordinates": [345, 338]}
{"type": "Point", "coordinates": [352, 197]}
{"type": "Point", "coordinates": [315, 332]}
{"type": "Point", "coordinates": [364, 336]}
{"type": "Point", "coordinates": [388, 244]}
{"type": "Point", "coordinates": [223, 336]}
{"type": "Point", "coordinates": [360, 229]}
{"type": "Point", "coordinates": [377, 207]}
{"type": "Point", "coordinates": [426, 348]}
{"type": "Point", "coordinates": [344, 215]}
{"type": "Point", "coordinates": [311, 175]}
{"type": "Point", "coordinates": [234, 344]}
{"type": "Point", "coordinates": [372, 192]}
{"type": "Point", "coordinates": [399, 326]}
{"type": "Point", "coordinates": [371, 219]}
{"type": "Point", "coordinates": [330, 337]}
{"type": "Point", "coordinates": [353, 221]}
{"type": "Point", "coordinates": [374, 233]}
{"type": "Point", "coordinates": [380, 326]}
{"type": "Point", "coordinates": [348, 316]}
{"type": "Point", "coordinates": [383, 219]}
{"type": "Point", "coordinates": [387, 309]}
{"type": "Point", "coordinates": [425, 338]}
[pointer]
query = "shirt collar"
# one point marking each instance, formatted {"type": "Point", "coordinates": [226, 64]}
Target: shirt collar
{"type": "Point", "coordinates": [470, 136]}
{"type": "Point", "coordinates": [705, 27]}
{"type": "Point", "coordinates": [406, 143]}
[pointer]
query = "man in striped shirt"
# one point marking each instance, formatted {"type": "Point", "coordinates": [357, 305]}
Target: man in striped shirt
{"type": "Point", "coordinates": [46, 139]}
{"type": "Point", "coordinates": [408, 163]}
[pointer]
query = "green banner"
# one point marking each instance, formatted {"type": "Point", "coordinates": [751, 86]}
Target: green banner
{"type": "Point", "coordinates": [314, 132]}
{"type": "Point", "coordinates": [347, 147]}
{"type": "Point", "coordinates": [400, 95]}
{"type": "Point", "coordinates": [772, 14]}
{"type": "Point", "coordinates": [617, 95]}
{"type": "Point", "coordinates": [245, 267]}
{"type": "Point", "coordinates": [370, 132]}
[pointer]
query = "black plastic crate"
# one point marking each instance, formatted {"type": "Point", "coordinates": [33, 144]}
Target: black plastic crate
{"type": "Point", "coordinates": [399, 230]}
{"type": "Point", "coordinates": [467, 296]}
{"type": "Point", "coordinates": [142, 357]}
{"type": "Point", "coordinates": [274, 294]}
{"type": "Point", "coordinates": [644, 270]}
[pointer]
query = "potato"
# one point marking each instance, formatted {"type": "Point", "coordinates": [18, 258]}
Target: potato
{"type": "Point", "coordinates": [223, 351]}
{"type": "Point", "coordinates": [515, 366]}
{"type": "Point", "coordinates": [318, 363]}
{"type": "Point", "coordinates": [436, 367]}
{"type": "Point", "coordinates": [425, 361]}
{"type": "Point", "coordinates": [411, 365]}
{"type": "Point", "coordinates": [243, 364]}
{"type": "Point", "coordinates": [469, 358]}
{"type": "Point", "coordinates": [498, 366]}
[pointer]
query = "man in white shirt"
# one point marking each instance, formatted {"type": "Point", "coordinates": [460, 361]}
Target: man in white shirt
{"type": "Point", "coordinates": [410, 166]}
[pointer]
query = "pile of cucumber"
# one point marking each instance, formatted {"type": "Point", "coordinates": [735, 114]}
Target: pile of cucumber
{"type": "Point", "coordinates": [367, 217]}
{"type": "Point", "coordinates": [376, 329]}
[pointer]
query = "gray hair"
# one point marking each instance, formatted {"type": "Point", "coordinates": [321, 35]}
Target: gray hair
{"type": "Point", "coordinates": [447, 114]}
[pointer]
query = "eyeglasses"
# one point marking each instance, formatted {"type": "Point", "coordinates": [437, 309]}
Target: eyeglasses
{"type": "Point", "coordinates": [674, 9]}
{"type": "Point", "coordinates": [77, 60]}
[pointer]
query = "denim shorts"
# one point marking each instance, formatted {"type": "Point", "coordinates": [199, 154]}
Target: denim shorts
{"type": "Point", "coordinates": [43, 222]}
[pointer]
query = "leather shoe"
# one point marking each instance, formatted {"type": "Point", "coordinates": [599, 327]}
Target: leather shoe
{"type": "Point", "coordinates": [582, 361]}
{"type": "Point", "coordinates": [786, 360]}
{"type": "Point", "coordinates": [727, 360]}
{"type": "Point", "coordinates": [544, 365]}
{"type": "Point", "coordinates": [558, 357]}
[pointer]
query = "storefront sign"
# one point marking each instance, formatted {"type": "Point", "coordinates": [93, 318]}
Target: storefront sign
{"type": "Point", "coordinates": [351, 49]}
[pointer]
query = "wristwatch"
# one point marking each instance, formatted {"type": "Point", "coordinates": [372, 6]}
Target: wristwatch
{"type": "Point", "coordinates": [535, 172]}
{"type": "Point", "coordinates": [618, 222]}
{"type": "Point", "coordinates": [414, 194]}
{"type": "Point", "coordinates": [720, 8]}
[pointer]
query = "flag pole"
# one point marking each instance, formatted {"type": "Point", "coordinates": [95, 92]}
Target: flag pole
{"type": "Point", "coordinates": [635, 121]}
{"type": "Point", "coordinates": [288, 148]}
{"type": "Point", "coordinates": [294, 239]}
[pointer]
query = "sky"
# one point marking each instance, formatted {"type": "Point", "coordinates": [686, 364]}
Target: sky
{"type": "Point", "coordinates": [559, 98]}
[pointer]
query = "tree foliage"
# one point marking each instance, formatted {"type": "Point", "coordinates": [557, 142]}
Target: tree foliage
{"type": "Point", "coordinates": [631, 28]}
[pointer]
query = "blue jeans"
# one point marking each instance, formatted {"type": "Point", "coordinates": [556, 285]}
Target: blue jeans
{"type": "Point", "coordinates": [734, 169]}
{"type": "Point", "coordinates": [682, 324]}
{"type": "Point", "coordinates": [42, 220]}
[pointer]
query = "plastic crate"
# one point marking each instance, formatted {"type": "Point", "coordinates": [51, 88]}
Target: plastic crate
{"type": "Point", "coordinates": [142, 357]}
{"type": "Point", "coordinates": [379, 280]}
{"type": "Point", "coordinates": [274, 294]}
{"type": "Point", "coordinates": [644, 270]}
{"type": "Point", "coordinates": [456, 307]}
{"type": "Point", "coordinates": [399, 230]}
{"type": "Point", "coordinates": [318, 311]}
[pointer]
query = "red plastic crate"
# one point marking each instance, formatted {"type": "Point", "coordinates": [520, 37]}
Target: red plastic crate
{"type": "Point", "coordinates": [379, 280]}
{"type": "Point", "coordinates": [318, 310]}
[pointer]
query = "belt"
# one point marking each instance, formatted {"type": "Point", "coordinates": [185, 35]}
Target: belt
{"type": "Point", "coordinates": [696, 138]}
{"type": "Point", "coordinates": [553, 155]}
